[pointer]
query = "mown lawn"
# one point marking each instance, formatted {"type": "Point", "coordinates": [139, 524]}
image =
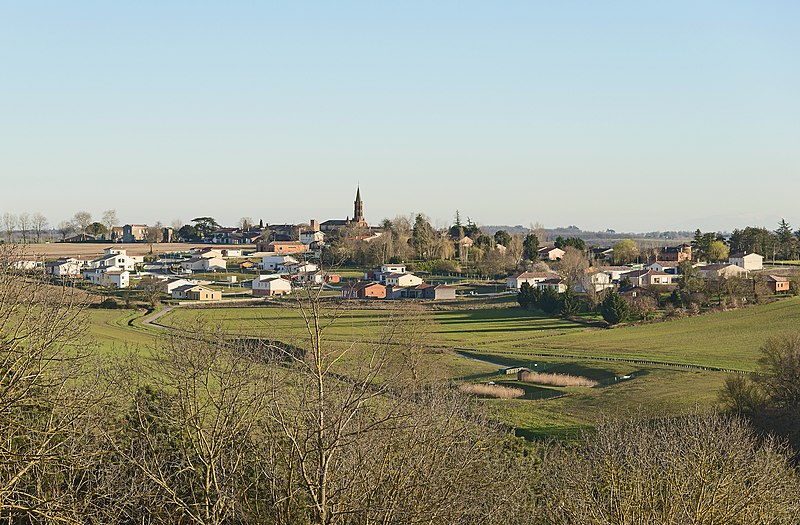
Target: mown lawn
{"type": "Point", "coordinates": [110, 330]}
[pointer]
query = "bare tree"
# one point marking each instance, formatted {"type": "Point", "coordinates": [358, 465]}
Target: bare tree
{"type": "Point", "coordinates": [82, 220]}
{"type": "Point", "coordinates": [154, 234]}
{"type": "Point", "coordinates": [39, 225]}
{"type": "Point", "coordinates": [245, 223]}
{"type": "Point", "coordinates": [66, 228]}
{"type": "Point", "coordinates": [24, 222]}
{"type": "Point", "coordinates": [573, 266]}
{"type": "Point", "coordinates": [110, 220]}
{"type": "Point", "coordinates": [9, 224]}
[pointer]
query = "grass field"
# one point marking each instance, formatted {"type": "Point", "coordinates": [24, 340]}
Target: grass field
{"type": "Point", "coordinates": [472, 343]}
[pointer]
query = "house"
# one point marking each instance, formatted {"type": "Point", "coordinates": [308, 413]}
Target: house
{"type": "Point", "coordinates": [386, 269]}
{"type": "Point", "coordinates": [117, 233]}
{"type": "Point", "coordinates": [364, 290]}
{"type": "Point", "coordinates": [207, 253]}
{"type": "Point", "coordinates": [311, 236]}
{"type": "Point", "coordinates": [169, 285]}
{"type": "Point", "coordinates": [596, 280]}
{"type": "Point", "coordinates": [615, 272]}
{"type": "Point", "coordinates": [778, 283]}
{"type": "Point", "coordinates": [643, 278]}
{"type": "Point", "coordinates": [602, 254]}
{"type": "Point", "coordinates": [108, 277]}
{"type": "Point", "coordinates": [231, 252]}
{"type": "Point", "coordinates": [180, 292]}
{"type": "Point", "coordinates": [201, 293]}
{"type": "Point", "coordinates": [202, 264]}
{"type": "Point", "coordinates": [277, 262]}
{"type": "Point", "coordinates": [402, 279]}
{"type": "Point", "coordinates": [748, 261]}
{"type": "Point", "coordinates": [65, 267]}
{"type": "Point", "coordinates": [117, 257]}
{"type": "Point", "coordinates": [665, 266]}
{"type": "Point", "coordinates": [435, 292]}
{"type": "Point", "coordinates": [195, 292]}
{"type": "Point", "coordinates": [287, 247]}
{"type": "Point", "coordinates": [514, 282]}
{"type": "Point", "coordinates": [300, 267]}
{"type": "Point", "coordinates": [551, 253]}
{"type": "Point", "coordinates": [271, 285]}
{"type": "Point", "coordinates": [134, 232]}
{"type": "Point", "coordinates": [24, 265]}
{"type": "Point", "coordinates": [680, 253]}
{"type": "Point", "coordinates": [167, 234]}
{"type": "Point", "coordinates": [226, 236]}
{"type": "Point", "coordinates": [555, 283]}
{"type": "Point", "coordinates": [721, 270]}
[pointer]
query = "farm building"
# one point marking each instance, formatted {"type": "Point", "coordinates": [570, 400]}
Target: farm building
{"type": "Point", "coordinates": [364, 290]}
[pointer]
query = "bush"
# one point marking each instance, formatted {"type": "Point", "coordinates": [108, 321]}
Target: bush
{"type": "Point", "coordinates": [614, 309]}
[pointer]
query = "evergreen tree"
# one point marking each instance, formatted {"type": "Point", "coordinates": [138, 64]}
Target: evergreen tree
{"type": "Point", "coordinates": [550, 302]}
{"type": "Point", "coordinates": [569, 304]}
{"type": "Point", "coordinates": [530, 247]}
{"type": "Point", "coordinates": [614, 309]}
{"type": "Point", "coordinates": [502, 237]}
{"type": "Point", "coordinates": [524, 297]}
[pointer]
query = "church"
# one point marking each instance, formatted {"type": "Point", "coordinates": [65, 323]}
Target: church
{"type": "Point", "coordinates": [357, 220]}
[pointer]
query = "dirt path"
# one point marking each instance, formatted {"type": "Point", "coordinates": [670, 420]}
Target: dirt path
{"type": "Point", "coordinates": [149, 320]}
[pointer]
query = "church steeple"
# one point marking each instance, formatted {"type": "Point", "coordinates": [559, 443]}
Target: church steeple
{"type": "Point", "coordinates": [358, 208]}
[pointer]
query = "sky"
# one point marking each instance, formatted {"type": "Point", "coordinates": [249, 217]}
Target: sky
{"type": "Point", "coordinates": [631, 115]}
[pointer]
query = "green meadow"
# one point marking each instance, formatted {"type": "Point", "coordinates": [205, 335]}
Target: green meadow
{"type": "Point", "coordinates": [472, 344]}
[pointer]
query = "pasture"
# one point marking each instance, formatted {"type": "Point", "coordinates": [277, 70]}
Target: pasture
{"type": "Point", "coordinates": [471, 344]}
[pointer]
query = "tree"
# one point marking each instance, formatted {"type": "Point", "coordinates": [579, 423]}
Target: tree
{"type": "Point", "coordinates": [549, 301]}
{"type": "Point", "coordinates": [787, 244]}
{"type": "Point", "coordinates": [572, 266]}
{"type": "Point", "coordinates": [625, 251]}
{"type": "Point", "coordinates": [24, 221]}
{"type": "Point", "coordinates": [771, 399]}
{"type": "Point", "coordinates": [39, 222]}
{"type": "Point", "coordinates": [569, 304]}
{"type": "Point", "coordinates": [154, 234]}
{"type": "Point", "coordinates": [188, 232]}
{"type": "Point", "coordinates": [575, 242]}
{"type": "Point", "coordinates": [530, 247]}
{"type": "Point", "coordinates": [614, 308]}
{"type": "Point", "coordinates": [423, 237]}
{"type": "Point", "coordinates": [524, 296]}
{"type": "Point", "coordinates": [65, 228]}
{"type": "Point", "coordinates": [717, 251]}
{"type": "Point", "coordinates": [502, 237]}
{"type": "Point", "coordinates": [9, 224]}
{"type": "Point", "coordinates": [97, 229]}
{"type": "Point", "coordinates": [82, 220]}
{"type": "Point", "coordinates": [245, 223]}
{"type": "Point", "coordinates": [205, 226]}
{"type": "Point", "coordinates": [699, 468]}
{"type": "Point", "coordinates": [109, 220]}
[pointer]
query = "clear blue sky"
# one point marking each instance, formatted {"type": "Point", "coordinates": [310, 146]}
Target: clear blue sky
{"type": "Point", "coordinates": [627, 115]}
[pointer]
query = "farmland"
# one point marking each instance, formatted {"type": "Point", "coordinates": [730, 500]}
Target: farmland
{"type": "Point", "coordinates": [651, 368]}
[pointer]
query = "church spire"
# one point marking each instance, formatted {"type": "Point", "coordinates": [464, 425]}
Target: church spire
{"type": "Point", "coordinates": [358, 208]}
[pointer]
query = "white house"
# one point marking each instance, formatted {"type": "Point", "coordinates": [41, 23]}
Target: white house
{"type": "Point", "coordinates": [277, 262]}
{"type": "Point", "coordinates": [168, 285]}
{"type": "Point", "coordinates": [615, 272]}
{"type": "Point", "coordinates": [310, 237]}
{"type": "Point", "coordinates": [596, 280]}
{"type": "Point", "coordinates": [301, 267]}
{"type": "Point", "coordinates": [554, 284]}
{"type": "Point", "coordinates": [207, 253]}
{"type": "Point", "coordinates": [24, 265]}
{"type": "Point", "coordinates": [203, 264]}
{"type": "Point", "coordinates": [108, 276]}
{"type": "Point", "coordinates": [664, 266]}
{"type": "Point", "coordinates": [748, 261]}
{"type": "Point", "coordinates": [65, 267]}
{"type": "Point", "coordinates": [551, 254]}
{"type": "Point", "coordinates": [402, 279]}
{"type": "Point", "coordinates": [715, 271]}
{"type": "Point", "coordinates": [119, 260]}
{"type": "Point", "coordinates": [271, 285]}
{"type": "Point", "coordinates": [650, 278]}
{"type": "Point", "coordinates": [513, 282]}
